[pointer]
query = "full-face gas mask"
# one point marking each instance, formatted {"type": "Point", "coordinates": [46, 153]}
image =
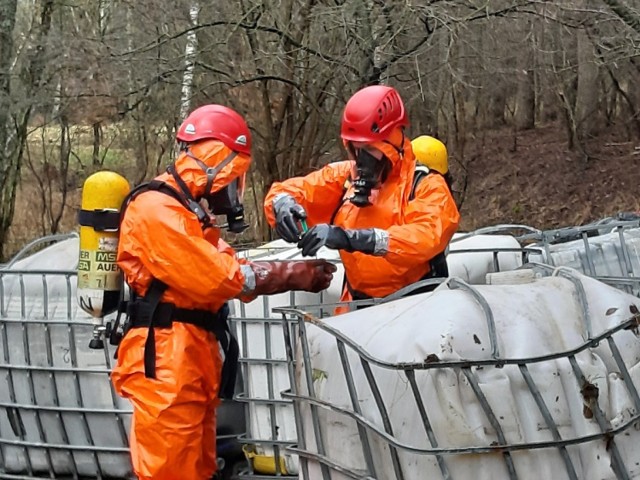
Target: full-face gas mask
{"type": "Point", "coordinates": [228, 201]}
{"type": "Point", "coordinates": [368, 173]}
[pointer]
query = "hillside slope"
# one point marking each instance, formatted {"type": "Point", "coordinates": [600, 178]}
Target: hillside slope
{"type": "Point", "coordinates": [542, 183]}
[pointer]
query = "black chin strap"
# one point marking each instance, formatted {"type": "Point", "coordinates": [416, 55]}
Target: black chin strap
{"type": "Point", "coordinates": [183, 186]}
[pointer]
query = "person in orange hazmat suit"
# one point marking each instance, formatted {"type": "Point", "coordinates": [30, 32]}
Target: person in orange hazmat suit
{"type": "Point", "coordinates": [386, 228]}
{"type": "Point", "coordinates": [182, 274]}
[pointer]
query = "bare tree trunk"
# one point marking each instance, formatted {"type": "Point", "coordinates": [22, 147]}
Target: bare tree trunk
{"type": "Point", "coordinates": [617, 90]}
{"type": "Point", "coordinates": [97, 141]}
{"type": "Point", "coordinates": [13, 126]}
{"type": "Point", "coordinates": [129, 30]}
{"type": "Point", "coordinates": [444, 128]}
{"type": "Point", "coordinates": [10, 146]}
{"type": "Point", "coordinates": [63, 169]}
{"type": "Point", "coordinates": [142, 152]}
{"type": "Point", "coordinates": [525, 110]}
{"type": "Point", "coordinates": [190, 53]}
{"type": "Point", "coordinates": [565, 81]}
{"type": "Point", "coordinates": [367, 66]}
{"type": "Point", "coordinates": [104, 11]}
{"type": "Point", "coordinates": [587, 94]}
{"type": "Point", "coordinates": [57, 99]}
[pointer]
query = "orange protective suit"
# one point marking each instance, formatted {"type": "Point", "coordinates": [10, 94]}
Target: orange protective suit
{"type": "Point", "coordinates": [418, 229]}
{"type": "Point", "coordinates": [173, 427]}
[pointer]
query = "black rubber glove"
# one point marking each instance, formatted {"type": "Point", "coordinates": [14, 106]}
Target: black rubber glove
{"type": "Point", "coordinates": [288, 213]}
{"type": "Point", "coordinates": [337, 238]}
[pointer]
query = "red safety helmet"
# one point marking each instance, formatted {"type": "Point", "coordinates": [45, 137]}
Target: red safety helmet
{"type": "Point", "coordinates": [219, 122]}
{"type": "Point", "coordinates": [372, 113]}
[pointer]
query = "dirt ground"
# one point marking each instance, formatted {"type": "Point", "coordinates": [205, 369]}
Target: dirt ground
{"type": "Point", "coordinates": [541, 183]}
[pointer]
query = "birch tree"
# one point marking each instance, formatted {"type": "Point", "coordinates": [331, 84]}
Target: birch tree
{"type": "Point", "coordinates": [189, 60]}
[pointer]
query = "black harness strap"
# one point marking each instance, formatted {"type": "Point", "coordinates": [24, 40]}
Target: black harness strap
{"type": "Point", "coordinates": [100, 220]}
{"type": "Point", "coordinates": [156, 185]}
{"type": "Point", "coordinates": [115, 337]}
{"type": "Point", "coordinates": [148, 312]}
{"type": "Point", "coordinates": [151, 300]}
{"type": "Point", "coordinates": [186, 198]}
{"type": "Point", "coordinates": [231, 350]}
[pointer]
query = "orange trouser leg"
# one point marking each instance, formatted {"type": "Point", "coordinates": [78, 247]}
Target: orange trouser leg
{"type": "Point", "coordinates": [173, 426]}
{"type": "Point", "coordinates": [209, 440]}
{"type": "Point", "coordinates": [163, 450]}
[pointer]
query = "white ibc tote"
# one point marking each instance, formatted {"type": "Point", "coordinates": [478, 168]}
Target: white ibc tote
{"type": "Point", "coordinates": [536, 378]}
{"type": "Point", "coordinates": [58, 412]}
{"type": "Point", "coordinates": [610, 252]}
{"type": "Point", "coordinates": [471, 256]}
{"type": "Point", "coordinates": [270, 419]}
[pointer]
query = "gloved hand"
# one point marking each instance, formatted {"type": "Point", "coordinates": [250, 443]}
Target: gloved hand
{"type": "Point", "coordinates": [337, 238]}
{"type": "Point", "coordinates": [288, 213]}
{"type": "Point", "coordinates": [283, 276]}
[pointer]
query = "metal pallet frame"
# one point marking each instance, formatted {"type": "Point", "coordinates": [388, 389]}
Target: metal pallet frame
{"type": "Point", "coordinates": [367, 428]}
{"type": "Point", "coordinates": [43, 322]}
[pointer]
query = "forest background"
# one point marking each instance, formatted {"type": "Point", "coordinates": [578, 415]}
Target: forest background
{"type": "Point", "coordinates": [538, 101]}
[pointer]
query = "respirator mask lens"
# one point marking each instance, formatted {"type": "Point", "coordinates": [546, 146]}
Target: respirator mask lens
{"type": "Point", "coordinates": [228, 201]}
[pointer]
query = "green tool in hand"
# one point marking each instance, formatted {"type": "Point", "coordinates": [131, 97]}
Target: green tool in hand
{"type": "Point", "coordinates": [303, 224]}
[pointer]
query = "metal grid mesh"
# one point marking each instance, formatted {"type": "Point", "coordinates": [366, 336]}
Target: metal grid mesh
{"type": "Point", "coordinates": [385, 430]}
{"type": "Point", "coordinates": [59, 415]}
{"type": "Point", "coordinates": [534, 244]}
{"type": "Point", "coordinates": [270, 423]}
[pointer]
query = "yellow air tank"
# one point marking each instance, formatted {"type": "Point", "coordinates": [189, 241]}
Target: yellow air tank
{"type": "Point", "coordinates": [99, 278]}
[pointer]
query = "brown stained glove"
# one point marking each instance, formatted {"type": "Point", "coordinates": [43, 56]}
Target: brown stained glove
{"type": "Point", "coordinates": [283, 276]}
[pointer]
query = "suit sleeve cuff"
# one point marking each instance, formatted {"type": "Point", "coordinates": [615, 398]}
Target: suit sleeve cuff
{"type": "Point", "coordinates": [249, 279]}
{"type": "Point", "coordinates": [381, 242]}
